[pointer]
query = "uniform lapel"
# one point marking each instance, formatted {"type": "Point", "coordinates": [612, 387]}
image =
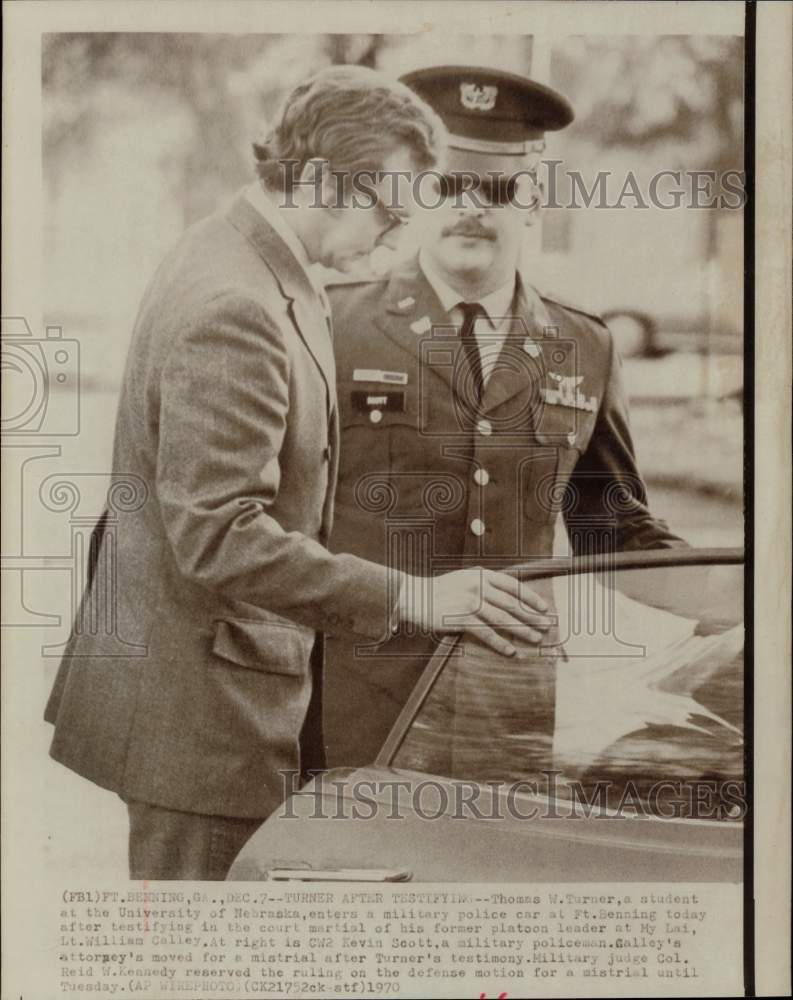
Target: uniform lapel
{"type": "Point", "coordinates": [415, 321]}
{"type": "Point", "coordinates": [302, 302]}
{"type": "Point", "coordinates": [521, 367]}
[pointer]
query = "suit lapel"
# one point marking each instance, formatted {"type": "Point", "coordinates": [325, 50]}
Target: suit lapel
{"type": "Point", "coordinates": [302, 302]}
{"type": "Point", "coordinates": [309, 320]}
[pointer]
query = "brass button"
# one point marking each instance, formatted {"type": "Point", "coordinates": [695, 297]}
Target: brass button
{"type": "Point", "coordinates": [478, 527]}
{"type": "Point", "coordinates": [375, 416]}
{"type": "Point", "coordinates": [484, 427]}
{"type": "Point", "coordinates": [481, 477]}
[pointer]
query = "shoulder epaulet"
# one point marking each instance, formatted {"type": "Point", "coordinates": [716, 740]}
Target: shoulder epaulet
{"type": "Point", "coordinates": [572, 306]}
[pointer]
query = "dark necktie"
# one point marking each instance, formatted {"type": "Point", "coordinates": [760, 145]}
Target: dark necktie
{"type": "Point", "coordinates": [473, 382]}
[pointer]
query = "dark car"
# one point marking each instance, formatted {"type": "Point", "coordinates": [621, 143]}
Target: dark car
{"type": "Point", "coordinates": [630, 767]}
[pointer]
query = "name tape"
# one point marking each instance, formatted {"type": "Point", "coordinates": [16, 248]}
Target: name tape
{"type": "Point", "coordinates": [377, 375]}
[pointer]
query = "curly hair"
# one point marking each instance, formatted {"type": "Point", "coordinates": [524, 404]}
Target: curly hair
{"type": "Point", "coordinates": [352, 117]}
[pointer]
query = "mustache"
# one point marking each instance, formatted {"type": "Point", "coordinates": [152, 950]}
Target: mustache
{"type": "Point", "coordinates": [470, 229]}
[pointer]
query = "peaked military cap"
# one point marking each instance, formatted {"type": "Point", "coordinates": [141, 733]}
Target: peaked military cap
{"type": "Point", "coordinates": [489, 110]}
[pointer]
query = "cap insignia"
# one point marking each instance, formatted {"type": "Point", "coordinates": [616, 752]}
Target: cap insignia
{"type": "Point", "coordinates": [476, 98]}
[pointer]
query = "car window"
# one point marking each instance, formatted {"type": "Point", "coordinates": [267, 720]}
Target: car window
{"type": "Point", "coordinates": [637, 697]}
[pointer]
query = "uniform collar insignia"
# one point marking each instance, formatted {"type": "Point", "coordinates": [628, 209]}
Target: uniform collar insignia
{"type": "Point", "coordinates": [409, 295]}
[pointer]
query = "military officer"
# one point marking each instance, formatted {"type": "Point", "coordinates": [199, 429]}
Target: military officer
{"type": "Point", "coordinates": [473, 409]}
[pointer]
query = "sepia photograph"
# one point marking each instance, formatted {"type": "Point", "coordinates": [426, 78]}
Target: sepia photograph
{"type": "Point", "coordinates": [591, 442]}
{"type": "Point", "coordinates": [380, 499]}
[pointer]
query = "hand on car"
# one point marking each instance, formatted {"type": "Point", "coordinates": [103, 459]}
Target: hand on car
{"type": "Point", "coordinates": [480, 602]}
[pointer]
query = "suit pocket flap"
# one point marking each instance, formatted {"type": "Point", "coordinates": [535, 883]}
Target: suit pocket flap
{"type": "Point", "coordinates": [270, 647]}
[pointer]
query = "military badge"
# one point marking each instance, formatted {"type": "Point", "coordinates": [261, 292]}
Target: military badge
{"type": "Point", "coordinates": [568, 393]}
{"type": "Point", "coordinates": [478, 98]}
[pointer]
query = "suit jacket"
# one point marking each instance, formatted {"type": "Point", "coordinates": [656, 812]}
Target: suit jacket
{"type": "Point", "coordinates": [228, 415]}
{"type": "Point", "coordinates": [429, 481]}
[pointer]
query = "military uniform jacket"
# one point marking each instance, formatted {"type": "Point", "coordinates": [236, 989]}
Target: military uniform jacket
{"type": "Point", "coordinates": [195, 699]}
{"type": "Point", "coordinates": [480, 485]}
{"type": "Point", "coordinates": [429, 481]}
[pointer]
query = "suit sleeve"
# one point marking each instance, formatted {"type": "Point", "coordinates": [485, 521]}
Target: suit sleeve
{"type": "Point", "coordinates": [222, 418]}
{"type": "Point", "coordinates": [609, 491]}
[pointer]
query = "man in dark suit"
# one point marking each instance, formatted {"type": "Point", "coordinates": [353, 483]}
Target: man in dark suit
{"type": "Point", "coordinates": [473, 410]}
{"type": "Point", "coordinates": [228, 415]}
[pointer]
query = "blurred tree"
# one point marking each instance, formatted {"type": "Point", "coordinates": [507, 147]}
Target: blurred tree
{"type": "Point", "coordinates": [633, 92]}
{"type": "Point", "coordinates": [361, 49]}
{"type": "Point", "coordinates": [637, 92]}
{"type": "Point", "coordinates": [676, 88]}
{"type": "Point", "coordinates": [88, 76]}
{"type": "Point", "coordinates": [677, 98]}
{"type": "Point", "coordinates": [228, 85]}
{"type": "Point", "coordinates": [88, 79]}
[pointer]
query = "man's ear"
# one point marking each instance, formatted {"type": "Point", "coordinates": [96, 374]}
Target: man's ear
{"type": "Point", "coordinates": [318, 181]}
{"type": "Point", "coordinates": [333, 189]}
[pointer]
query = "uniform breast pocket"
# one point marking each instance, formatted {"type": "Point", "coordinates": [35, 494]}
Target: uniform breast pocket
{"type": "Point", "coordinates": [558, 440]}
{"type": "Point", "coordinates": [564, 426]}
{"type": "Point", "coordinates": [376, 422]}
{"type": "Point", "coordinates": [386, 462]}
